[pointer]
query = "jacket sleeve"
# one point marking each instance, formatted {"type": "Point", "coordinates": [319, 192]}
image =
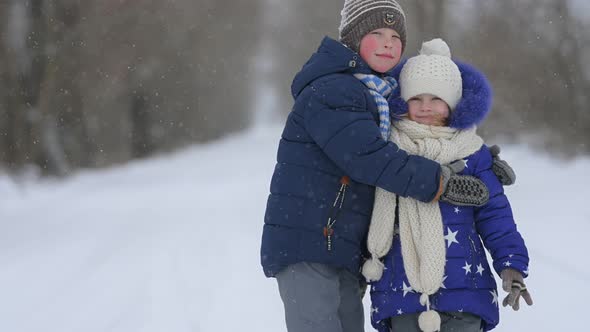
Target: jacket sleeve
{"type": "Point", "coordinates": [337, 119]}
{"type": "Point", "coordinates": [495, 222]}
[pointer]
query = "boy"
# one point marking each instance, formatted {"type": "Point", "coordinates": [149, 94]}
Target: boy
{"type": "Point", "coordinates": [331, 156]}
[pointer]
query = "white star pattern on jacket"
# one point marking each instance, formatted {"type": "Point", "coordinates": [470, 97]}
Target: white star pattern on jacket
{"type": "Point", "coordinates": [457, 210]}
{"type": "Point", "coordinates": [451, 237]}
{"type": "Point", "coordinates": [494, 297]}
{"type": "Point", "coordinates": [507, 263]}
{"type": "Point", "coordinates": [442, 284]}
{"type": "Point", "coordinates": [467, 268]}
{"type": "Point", "coordinates": [407, 289]}
{"type": "Point", "coordinates": [480, 269]}
{"type": "Point", "coordinates": [400, 312]}
{"type": "Point", "coordinates": [466, 160]}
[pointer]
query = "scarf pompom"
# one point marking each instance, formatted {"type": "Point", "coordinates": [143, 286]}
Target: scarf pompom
{"type": "Point", "coordinates": [429, 321]}
{"type": "Point", "coordinates": [373, 269]}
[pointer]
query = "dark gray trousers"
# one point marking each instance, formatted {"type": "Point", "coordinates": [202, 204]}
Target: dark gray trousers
{"type": "Point", "coordinates": [450, 322]}
{"type": "Point", "coordinates": [319, 298]}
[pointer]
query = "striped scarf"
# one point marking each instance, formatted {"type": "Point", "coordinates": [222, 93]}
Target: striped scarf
{"type": "Point", "coordinates": [380, 89]}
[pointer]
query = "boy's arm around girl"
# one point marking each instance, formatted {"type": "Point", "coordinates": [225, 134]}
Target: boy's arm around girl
{"type": "Point", "coordinates": [336, 118]}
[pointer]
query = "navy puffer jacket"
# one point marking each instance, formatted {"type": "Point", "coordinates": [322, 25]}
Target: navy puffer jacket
{"type": "Point", "coordinates": [333, 132]}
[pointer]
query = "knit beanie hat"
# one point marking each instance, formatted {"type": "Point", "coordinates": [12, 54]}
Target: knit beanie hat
{"type": "Point", "coordinates": [432, 72]}
{"type": "Point", "coordinates": [359, 17]}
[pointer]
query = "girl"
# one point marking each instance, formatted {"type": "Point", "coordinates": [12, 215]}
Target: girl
{"type": "Point", "coordinates": [428, 268]}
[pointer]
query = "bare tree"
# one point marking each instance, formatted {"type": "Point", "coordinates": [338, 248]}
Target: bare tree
{"type": "Point", "coordinates": [429, 18]}
{"type": "Point", "coordinates": [30, 134]}
{"type": "Point", "coordinates": [92, 83]}
{"type": "Point", "coordinates": [534, 62]}
{"type": "Point", "coordinates": [96, 83]}
{"type": "Point", "coordinates": [291, 33]}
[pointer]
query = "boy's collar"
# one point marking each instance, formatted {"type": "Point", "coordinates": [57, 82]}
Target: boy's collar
{"type": "Point", "coordinates": [350, 59]}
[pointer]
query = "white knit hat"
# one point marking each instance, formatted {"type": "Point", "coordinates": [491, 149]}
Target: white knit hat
{"type": "Point", "coordinates": [432, 72]}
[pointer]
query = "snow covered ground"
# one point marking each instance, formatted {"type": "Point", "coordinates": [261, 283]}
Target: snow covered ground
{"type": "Point", "coordinates": [172, 244]}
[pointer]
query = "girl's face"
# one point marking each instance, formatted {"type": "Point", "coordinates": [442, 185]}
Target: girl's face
{"type": "Point", "coordinates": [428, 109]}
{"type": "Point", "coordinates": [381, 49]}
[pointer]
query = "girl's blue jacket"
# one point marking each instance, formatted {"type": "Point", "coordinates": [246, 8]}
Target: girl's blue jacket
{"type": "Point", "coordinates": [469, 284]}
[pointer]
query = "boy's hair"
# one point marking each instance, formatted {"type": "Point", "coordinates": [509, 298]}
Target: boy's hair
{"type": "Point", "coordinates": [432, 72]}
{"type": "Point", "coordinates": [359, 17]}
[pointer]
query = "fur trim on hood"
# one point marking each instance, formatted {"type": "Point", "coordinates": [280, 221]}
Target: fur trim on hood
{"type": "Point", "coordinates": [473, 107]}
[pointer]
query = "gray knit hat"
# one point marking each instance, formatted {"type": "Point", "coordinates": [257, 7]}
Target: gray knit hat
{"type": "Point", "coordinates": [359, 17]}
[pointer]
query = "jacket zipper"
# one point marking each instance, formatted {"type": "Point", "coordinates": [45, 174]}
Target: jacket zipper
{"type": "Point", "coordinates": [335, 211]}
{"type": "Point", "coordinates": [473, 256]}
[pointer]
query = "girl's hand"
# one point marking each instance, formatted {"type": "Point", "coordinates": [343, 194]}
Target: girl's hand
{"type": "Point", "coordinates": [513, 283]}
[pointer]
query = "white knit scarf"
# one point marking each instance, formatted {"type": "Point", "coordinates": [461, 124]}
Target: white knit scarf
{"type": "Point", "coordinates": [421, 228]}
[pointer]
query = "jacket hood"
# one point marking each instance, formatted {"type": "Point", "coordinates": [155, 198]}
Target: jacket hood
{"type": "Point", "coordinates": [475, 103]}
{"type": "Point", "coordinates": [330, 58]}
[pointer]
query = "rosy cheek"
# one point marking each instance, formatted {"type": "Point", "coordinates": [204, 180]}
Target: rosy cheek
{"type": "Point", "coordinates": [443, 109]}
{"type": "Point", "coordinates": [368, 46]}
{"type": "Point", "coordinates": [412, 110]}
{"type": "Point", "coordinates": [397, 49]}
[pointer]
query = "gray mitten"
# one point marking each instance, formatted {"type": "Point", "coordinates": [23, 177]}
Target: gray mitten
{"type": "Point", "coordinates": [463, 190]}
{"type": "Point", "coordinates": [513, 283]}
{"type": "Point", "coordinates": [503, 171]}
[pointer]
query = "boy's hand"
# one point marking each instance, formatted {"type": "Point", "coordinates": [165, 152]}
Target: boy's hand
{"type": "Point", "coordinates": [513, 283]}
{"type": "Point", "coordinates": [463, 190]}
{"type": "Point", "coordinates": [503, 171]}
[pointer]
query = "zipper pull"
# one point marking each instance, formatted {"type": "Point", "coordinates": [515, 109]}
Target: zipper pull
{"type": "Point", "coordinates": [328, 232]}
{"type": "Point", "coordinates": [345, 180]}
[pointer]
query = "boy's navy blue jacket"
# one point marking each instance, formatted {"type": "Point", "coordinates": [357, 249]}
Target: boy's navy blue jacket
{"type": "Point", "coordinates": [331, 132]}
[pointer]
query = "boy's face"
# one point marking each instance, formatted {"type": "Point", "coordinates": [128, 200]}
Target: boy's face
{"type": "Point", "coordinates": [428, 109]}
{"type": "Point", "coordinates": [381, 49]}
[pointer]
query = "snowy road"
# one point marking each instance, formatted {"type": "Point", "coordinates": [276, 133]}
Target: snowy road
{"type": "Point", "coordinates": [171, 244]}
